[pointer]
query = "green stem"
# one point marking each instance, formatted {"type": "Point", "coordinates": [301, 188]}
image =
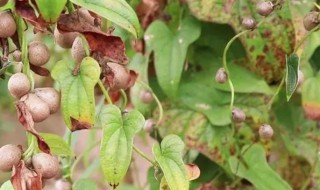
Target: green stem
{"type": "Point", "coordinates": [143, 155]}
{"type": "Point", "coordinates": [125, 99]}
{"type": "Point", "coordinates": [156, 99]}
{"type": "Point", "coordinates": [85, 45]}
{"type": "Point", "coordinates": [105, 92]}
{"type": "Point", "coordinates": [305, 38]}
{"type": "Point", "coordinates": [84, 153]}
{"type": "Point", "coordinates": [225, 66]}
{"type": "Point", "coordinates": [70, 6]}
{"type": "Point", "coordinates": [276, 94]}
{"type": "Point", "coordinates": [31, 148]}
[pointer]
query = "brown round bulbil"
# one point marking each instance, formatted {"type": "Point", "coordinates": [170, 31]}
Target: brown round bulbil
{"type": "Point", "coordinates": [37, 107]}
{"type": "Point", "coordinates": [10, 155]}
{"type": "Point", "coordinates": [19, 85]}
{"type": "Point", "coordinates": [265, 132]}
{"type": "Point", "coordinates": [121, 76]}
{"type": "Point", "coordinates": [38, 53]}
{"type": "Point", "coordinates": [46, 165]}
{"type": "Point", "coordinates": [77, 51]}
{"type": "Point", "coordinates": [7, 25]}
{"type": "Point", "coordinates": [16, 55]}
{"type": "Point", "coordinates": [50, 96]}
{"type": "Point", "coordinates": [311, 20]}
{"type": "Point", "coordinates": [64, 40]}
{"type": "Point", "coordinates": [146, 97]}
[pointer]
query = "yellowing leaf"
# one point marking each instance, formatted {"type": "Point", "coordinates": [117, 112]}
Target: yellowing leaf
{"type": "Point", "coordinates": [77, 92]}
{"type": "Point", "coordinates": [117, 140]}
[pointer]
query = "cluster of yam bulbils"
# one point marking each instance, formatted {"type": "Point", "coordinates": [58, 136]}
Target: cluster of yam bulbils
{"type": "Point", "coordinates": [42, 102]}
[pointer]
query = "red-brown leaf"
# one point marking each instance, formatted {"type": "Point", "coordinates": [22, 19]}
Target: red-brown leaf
{"type": "Point", "coordinates": [78, 125]}
{"type": "Point", "coordinates": [40, 70]}
{"type": "Point", "coordinates": [24, 10]}
{"type": "Point", "coordinates": [103, 46]}
{"type": "Point", "coordinates": [26, 121]}
{"type": "Point", "coordinates": [24, 179]}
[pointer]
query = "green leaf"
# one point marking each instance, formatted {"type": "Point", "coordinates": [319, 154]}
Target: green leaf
{"type": "Point", "coordinates": [293, 62]}
{"type": "Point", "coordinates": [258, 172]}
{"type": "Point", "coordinates": [116, 144]}
{"type": "Point", "coordinates": [77, 92]}
{"type": "Point", "coordinates": [170, 49]}
{"type": "Point", "coordinates": [7, 186]}
{"type": "Point", "coordinates": [85, 184]}
{"type": "Point", "coordinates": [169, 157]}
{"type": "Point", "coordinates": [310, 97]}
{"type": "Point", "coordinates": [50, 10]}
{"type": "Point", "coordinates": [117, 11]}
{"type": "Point", "coordinates": [58, 145]}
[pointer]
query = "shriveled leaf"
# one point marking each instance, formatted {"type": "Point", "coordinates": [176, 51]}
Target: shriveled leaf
{"type": "Point", "coordinates": [77, 92]}
{"type": "Point", "coordinates": [23, 178]}
{"type": "Point", "coordinates": [116, 144]}
{"type": "Point", "coordinates": [170, 49]}
{"type": "Point", "coordinates": [57, 144]}
{"type": "Point", "coordinates": [193, 171]}
{"type": "Point", "coordinates": [6, 186]}
{"type": "Point", "coordinates": [169, 157]}
{"type": "Point", "coordinates": [25, 118]}
{"type": "Point", "coordinates": [50, 10]}
{"type": "Point", "coordinates": [40, 70]}
{"type": "Point", "coordinates": [85, 184]}
{"type": "Point", "coordinates": [258, 172]}
{"type": "Point", "coordinates": [293, 62]}
{"type": "Point", "coordinates": [24, 10]}
{"type": "Point", "coordinates": [310, 98]}
{"type": "Point", "coordinates": [117, 11]}
{"type": "Point", "coordinates": [103, 46]}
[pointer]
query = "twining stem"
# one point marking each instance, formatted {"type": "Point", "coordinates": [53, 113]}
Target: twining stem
{"type": "Point", "coordinates": [224, 60]}
{"type": "Point", "coordinates": [225, 66]}
{"type": "Point", "coordinates": [105, 92]}
{"type": "Point", "coordinates": [125, 99]}
{"type": "Point", "coordinates": [284, 76]}
{"type": "Point", "coordinates": [156, 99]}
{"type": "Point", "coordinates": [84, 153]}
{"type": "Point", "coordinates": [305, 38]}
{"type": "Point", "coordinates": [143, 155]}
{"type": "Point", "coordinates": [276, 94]}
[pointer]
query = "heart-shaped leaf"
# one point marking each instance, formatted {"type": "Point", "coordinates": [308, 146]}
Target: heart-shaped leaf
{"type": "Point", "coordinates": [57, 145]}
{"type": "Point", "coordinates": [50, 10]}
{"type": "Point", "coordinates": [258, 172]}
{"type": "Point", "coordinates": [77, 92]}
{"type": "Point", "coordinates": [310, 97]}
{"type": "Point", "coordinates": [117, 11]}
{"type": "Point", "coordinates": [292, 74]}
{"type": "Point", "coordinates": [117, 140]}
{"type": "Point", "coordinates": [170, 49]}
{"type": "Point", "coordinates": [169, 157]}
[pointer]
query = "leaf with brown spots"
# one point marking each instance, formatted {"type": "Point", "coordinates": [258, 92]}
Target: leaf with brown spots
{"type": "Point", "coordinates": [25, 179]}
{"type": "Point", "coordinates": [103, 46]}
{"type": "Point", "coordinates": [25, 118]}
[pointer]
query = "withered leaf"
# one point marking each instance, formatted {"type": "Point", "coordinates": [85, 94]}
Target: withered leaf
{"type": "Point", "coordinates": [77, 125]}
{"type": "Point", "coordinates": [103, 46]}
{"type": "Point", "coordinates": [27, 122]}
{"type": "Point", "coordinates": [24, 179]}
{"type": "Point", "coordinates": [40, 70]}
{"type": "Point", "coordinates": [24, 10]}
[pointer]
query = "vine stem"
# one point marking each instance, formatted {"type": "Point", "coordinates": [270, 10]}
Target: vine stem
{"type": "Point", "coordinates": [70, 6]}
{"type": "Point", "coordinates": [105, 92]}
{"type": "Point", "coordinates": [156, 99]}
{"type": "Point", "coordinates": [225, 66]}
{"type": "Point", "coordinates": [304, 38]}
{"type": "Point", "coordinates": [143, 155]}
{"type": "Point", "coordinates": [276, 94]}
{"type": "Point", "coordinates": [76, 162]}
{"type": "Point", "coordinates": [125, 99]}
{"type": "Point", "coordinates": [31, 148]}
